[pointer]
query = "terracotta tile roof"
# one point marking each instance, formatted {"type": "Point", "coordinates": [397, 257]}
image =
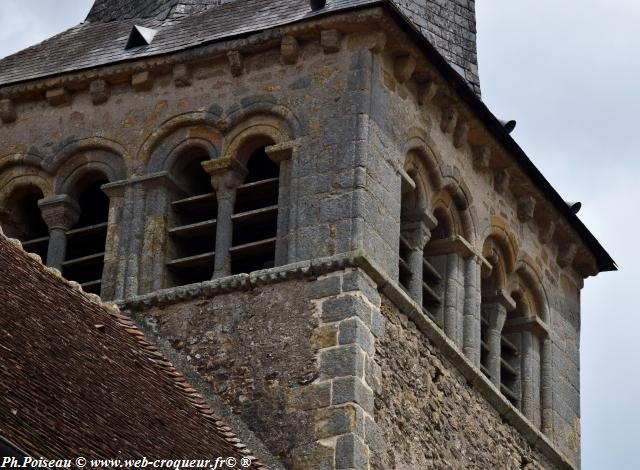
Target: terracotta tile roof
{"type": "Point", "coordinates": [77, 378]}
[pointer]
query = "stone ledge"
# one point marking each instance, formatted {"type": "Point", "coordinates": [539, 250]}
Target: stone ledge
{"type": "Point", "coordinates": [389, 288]}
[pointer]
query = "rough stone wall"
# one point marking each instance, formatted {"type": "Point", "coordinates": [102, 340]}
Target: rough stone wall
{"type": "Point", "coordinates": [252, 348]}
{"type": "Point", "coordinates": [434, 419]}
{"type": "Point", "coordinates": [450, 26]}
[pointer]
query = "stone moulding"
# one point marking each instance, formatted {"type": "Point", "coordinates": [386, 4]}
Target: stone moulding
{"type": "Point", "coordinates": [390, 289]}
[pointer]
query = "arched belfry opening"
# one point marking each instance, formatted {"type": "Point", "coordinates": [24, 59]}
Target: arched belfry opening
{"type": "Point", "coordinates": [21, 219]}
{"type": "Point", "coordinates": [193, 219]}
{"type": "Point", "coordinates": [85, 250]}
{"type": "Point", "coordinates": [255, 215]}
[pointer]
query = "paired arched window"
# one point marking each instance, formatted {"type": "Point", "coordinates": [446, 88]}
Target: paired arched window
{"type": "Point", "coordinates": [86, 240]}
{"type": "Point", "coordinates": [193, 218]}
{"type": "Point", "coordinates": [21, 219]}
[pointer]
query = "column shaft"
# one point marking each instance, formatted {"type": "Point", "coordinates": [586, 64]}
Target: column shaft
{"type": "Point", "coordinates": [224, 232]}
{"type": "Point", "coordinates": [472, 312]}
{"type": "Point", "coordinates": [497, 316]}
{"type": "Point", "coordinates": [57, 250]}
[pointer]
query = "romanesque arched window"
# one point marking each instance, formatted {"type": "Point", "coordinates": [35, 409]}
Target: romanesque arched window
{"type": "Point", "coordinates": [86, 240]}
{"type": "Point", "coordinates": [21, 218]}
{"type": "Point", "coordinates": [255, 216]}
{"type": "Point", "coordinates": [192, 222]}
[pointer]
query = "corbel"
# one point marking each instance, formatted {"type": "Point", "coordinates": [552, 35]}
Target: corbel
{"type": "Point", "coordinates": [289, 50]}
{"type": "Point", "coordinates": [566, 254]}
{"type": "Point", "coordinates": [99, 91]}
{"type": "Point", "coordinates": [526, 208]}
{"type": "Point", "coordinates": [235, 62]}
{"type": "Point", "coordinates": [546, 231]}
{"type": "Point", "coordinates": [59, 96]}
{"type": "Point", "coordinates": [501, 180]}
{"type": "Point", "coordinates": [460, 134]}
{"type": "Point", "coordinates": [7, 111]}
{"type": "Point", "coordinates": [426, 92]}
{"type": "Point", "coordinates": [377, 42]}
{"type": "Point", "coordinates": [481, 158]}
{"type": "Point", "coordinates": [142, 81]}
{"type": "Point", "coordinates": [404, 67]}
{"type": "Point", "coordinates": [449, 119]}
{"type": "Point", "coordinates": [330, 40]}
{"type": "Point", "coordinates": [181, 75]}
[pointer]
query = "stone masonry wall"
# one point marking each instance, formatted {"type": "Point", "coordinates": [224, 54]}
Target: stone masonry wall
{"type": "Point", "coordinates": [434, 419]}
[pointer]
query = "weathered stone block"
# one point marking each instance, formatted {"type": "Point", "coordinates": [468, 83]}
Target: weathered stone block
{"type": "Point", "coordinates": [351, 453]}
{"type": "Point", "coordinates": [344, 307]}
{"type": "Point", "coordinates": [142, 81]}
{"type": "Point", "coordinates": [325, 336]}
{"type": "Point", "coordinates": [354, 331]}
{"type": "Point", "coordinates": [342, 361]}
{"type": "Point", "coordinates": [310, 397]}
{"type": "Point", "coordinates": [331, 422]}
{"type": "Point", "coordinates": [7, 111]}
{"type": "Point", "coordinates": [58, 96]}
{"type": "Point", "coordinates": [404, 67]}
{"type": "Point", "coordinates": [181, 75]}
{"type": "Point", "coordinates": [326, 287]}
{"type": "Point", "coordinates": [236, 63]}
{"type": "Point", "coordinates": [330, 40]}
{"type": "Point", "coordinates": [352, 390]}
{"type": "Point", "coordinates": [289, 50]}
{"type": "Point", "coordinates": [99, 91]}
{"type": "Point", "coordinates": [359, 281]}
{"type": "Point", "coordinates": [313, 456]}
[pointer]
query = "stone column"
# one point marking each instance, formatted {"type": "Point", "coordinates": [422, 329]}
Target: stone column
{"type": "Point", "coordinates": [546, 387]}
{"type": "Point", "coordinates": [527, 367]}
{"type": "Point", "coordinates": [226, 175]}
{"type": "Point", "coordinates": [496, 307]}
{"type": "Point", "coordinates": [416, 230]}
{"type": "Point", "coordinates": [281, 154]}
{"type": "Point", "coordinates": [472, 312]}
{"type": "Point", "coordinates": [116, 250]}
{"type": "Point", "coordinates": [60, 213]}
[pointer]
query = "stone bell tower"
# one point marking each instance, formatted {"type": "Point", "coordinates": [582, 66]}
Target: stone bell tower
{"type": "Point", "coordinates": [310, 211]}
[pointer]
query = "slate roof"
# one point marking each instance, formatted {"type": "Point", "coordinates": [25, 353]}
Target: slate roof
{"type": "Point", "coordinates": [110, 10]}
{"type": "Point", "coordinates": [92, 44]}
{"type": "Point", "coordinates": [77, 378]}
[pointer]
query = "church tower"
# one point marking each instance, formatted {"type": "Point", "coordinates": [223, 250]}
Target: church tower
{"type": "Point", "coordinates": [309, 209]}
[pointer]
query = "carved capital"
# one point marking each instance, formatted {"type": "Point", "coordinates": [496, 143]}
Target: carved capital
{"type": "Point", "coordinates": [235, 63]}
{"type": "Point", "coordinates": [566, 254]}
{"type": "Point", "coordinates": [481, 158]}
{"type": "Point", "coordinates": [526, 208]}
{"type": "Point", "coordinates": [280, 152]}
{"type": "Point", "coordinates": [501, 180]}
{"type": "Point", "coordinates": [289, 50]}
{"type": "Point", "coordinates": [416, 227]}
{"type": "Point", "coordinates": [528, 323]}
{"type": "Point", "coordinates": [330, 40]}
{"type": "Point", "coordinates": [181, 75]}
{"type": "Point", "coordinates": [99, 91]}
{"type": "Point", "coordinates": [449, 119]}
{"type": "Point", "coordinates": [497, 300]}
{"type": "Point", "coordinates": [404, 67]}
{"type": "Point", "coordinates": [59, 212]}
{"type": "Point", "coordinates": [226, 173]}
{"type": "Point", "coordinates": [7, 111]}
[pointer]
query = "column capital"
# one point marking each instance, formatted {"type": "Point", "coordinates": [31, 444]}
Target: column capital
{"type": "Point", "coordinates": [59, 212]}
{"type": "Point", "coordinates": [530, 323]}
{"type": "Point", "coordinates": [498, 299]}
{"type": "Point", "coordinates": [226, 173]}
{"type": "Point", "coordinates": [281, 152]}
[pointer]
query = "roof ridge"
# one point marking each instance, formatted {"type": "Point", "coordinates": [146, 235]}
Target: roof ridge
{"type": "Point", "coordinates": [151, 352]}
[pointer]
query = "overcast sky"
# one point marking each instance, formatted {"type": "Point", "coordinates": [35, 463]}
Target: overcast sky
{"type": "Point", "coordinates": [568, 72]}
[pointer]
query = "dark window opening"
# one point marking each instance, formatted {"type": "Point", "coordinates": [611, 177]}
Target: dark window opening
{"type": "Point", "coordinates": [192, 232]}
{"type": "Point", "coordinates": [510, 368]}
{"type": "Point", "coordinates": [434, 268]}
{"type": "Point", "coordinates": [84, 261]}
{"type": "Point", "coordinates": [255, 218]}
{"type": "Point", "coordinates": [22, 219]}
